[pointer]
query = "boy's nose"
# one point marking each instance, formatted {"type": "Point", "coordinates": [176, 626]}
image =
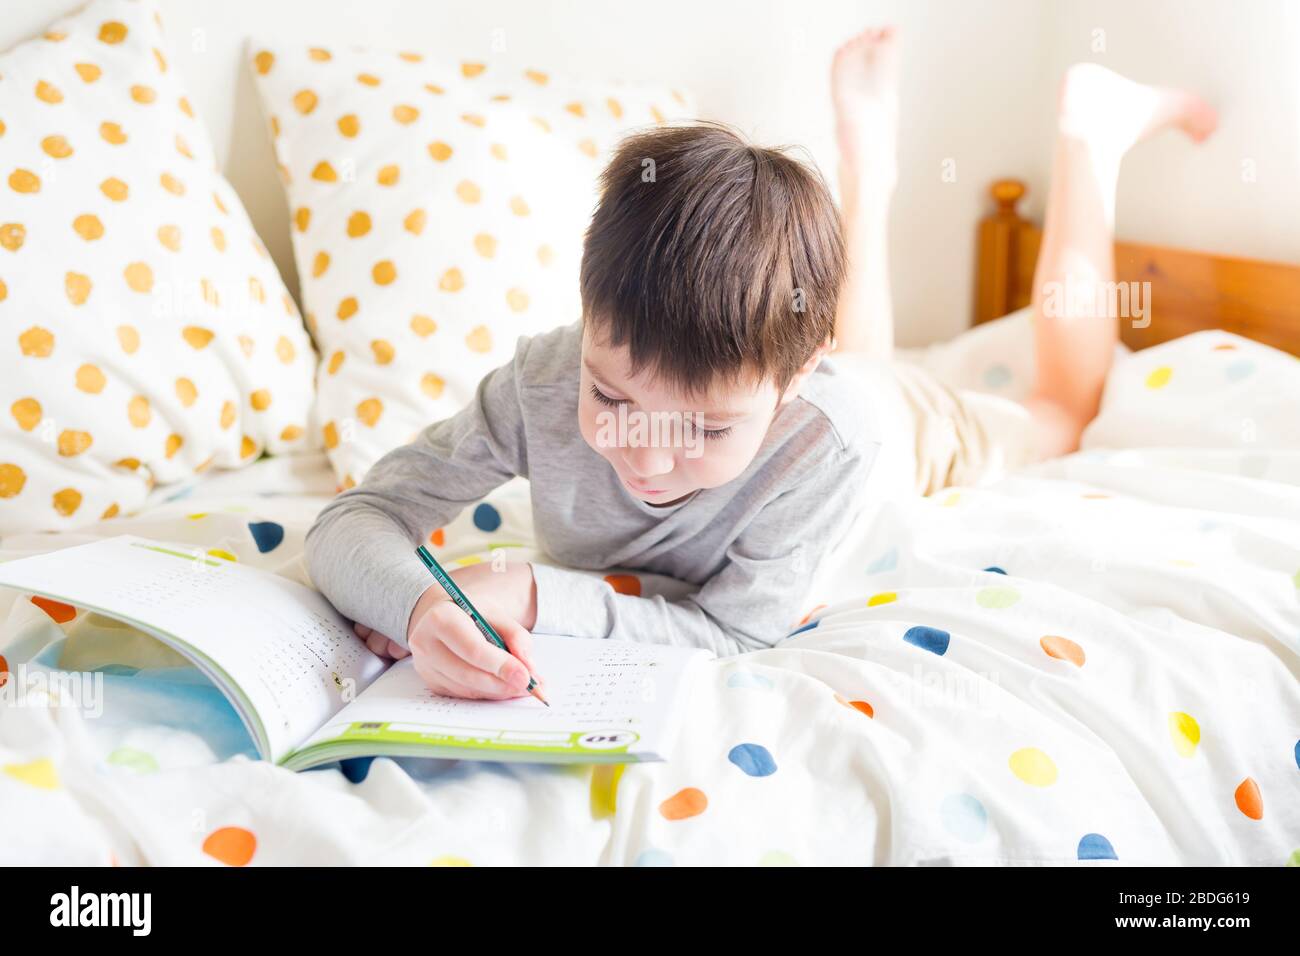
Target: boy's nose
{"type": "Point", "coordinates": [648, 462]}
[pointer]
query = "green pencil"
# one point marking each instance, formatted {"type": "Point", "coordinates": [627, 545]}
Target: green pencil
{"type": "Point", "coordinates": [463, 603]}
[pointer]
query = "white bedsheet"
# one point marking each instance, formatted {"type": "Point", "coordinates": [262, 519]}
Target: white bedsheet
{"type": "Point", "coordinates": [1097, 659]}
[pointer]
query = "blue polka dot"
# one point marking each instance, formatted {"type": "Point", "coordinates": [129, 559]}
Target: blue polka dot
{"type": "Point", "coordinates": [653, 857]}
{"type": "Point", "coordinates": [754, 759]}
{"type": "Point", "coordinates": [995, 376]}
{"type": "Point", "coordinates": [356, 769]}
{"type": "Point", "coordinates": [487, 518]}
{"type": "Point", "coordinates": [964, 817]}
{"type": "Point", "coordinates": [928, 639]}
{"type": "Point", "coordinates": [267, 534]}
{"type": "Point", "coordinates": [995, 569]}
{"type": "Point", "coordinates": [1094, 846]}
{"type": "Point", "coordinates": [886, 562]}
{"type": "Point", "coordinates": [1297, 753]}
{"type": "Point", "coordinates": [1238, 370]}
{"type": "Point", "coordinates": [807, 627]}
{"type": "Point", "coordinates": [744, 678]}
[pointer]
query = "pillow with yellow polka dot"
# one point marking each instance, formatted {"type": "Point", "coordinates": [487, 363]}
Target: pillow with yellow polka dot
{"type": "Point", "coordinates": [438, 211]}
{"type": "Point", "coordinates": [147, 334]}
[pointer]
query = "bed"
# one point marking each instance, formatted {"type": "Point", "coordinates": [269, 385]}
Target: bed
{"type": "Point", "coordinates": [1093, 661]}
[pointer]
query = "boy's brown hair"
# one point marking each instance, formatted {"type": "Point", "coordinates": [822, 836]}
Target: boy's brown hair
{"type": "Point", "coordinates": [711, 259]}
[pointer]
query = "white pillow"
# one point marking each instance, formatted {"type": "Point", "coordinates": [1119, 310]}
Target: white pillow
{"type": "Point", "coordinates": [147, 333]}
{"type": "Point", "coordinates": [439, 209]}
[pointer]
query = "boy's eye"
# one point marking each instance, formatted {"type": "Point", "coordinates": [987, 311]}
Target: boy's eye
{"type": "Point", "coordinates": [604, 399]}
{"type": "Point", "coordinates": [716, 433]}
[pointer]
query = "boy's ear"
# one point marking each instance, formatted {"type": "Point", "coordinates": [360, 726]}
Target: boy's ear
{"type": "Point", "coordinates": [808, 367]}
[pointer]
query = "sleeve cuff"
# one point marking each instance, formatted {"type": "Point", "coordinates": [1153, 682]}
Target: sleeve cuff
{"type": "Point", "coordinates": [570, 602]}
{"type": "Point", "coordinates": [415, 579]}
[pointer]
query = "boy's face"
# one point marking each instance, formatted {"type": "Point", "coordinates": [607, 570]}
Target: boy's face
{"type": "Point", "coordinates": [663, 444]}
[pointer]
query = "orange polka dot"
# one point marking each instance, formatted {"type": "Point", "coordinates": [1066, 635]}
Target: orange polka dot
{"type": "Point", "coordinates": [1062, 649]}
{"type": "Point", "coordinates": [1249, 800]}
{"type": "Point", "coordinates": [59, 612]}
{"type": "Point", "coordinates": [685, 803]}
{"type": "Point", "coordinates": [233, 846]}
{"type": "Point", "coordinates": [624, 583]}
{"type": "Point", "coordinates": [437, 538]}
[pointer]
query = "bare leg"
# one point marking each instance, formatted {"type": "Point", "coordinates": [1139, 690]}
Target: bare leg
{"type": "Point", "coordinates": [864, 87]}
{"type": "Point", "coordinates": [1100, 116]}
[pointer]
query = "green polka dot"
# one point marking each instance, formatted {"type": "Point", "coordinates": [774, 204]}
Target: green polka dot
{"type": "Point", "coordinates": [1294, 859]}
{"type": "Point", "coordinates": [777, 858]}
{"type": "Point", "coordinates": [997, 597]}
{"type": "Point", "coordinates": [133, 759]}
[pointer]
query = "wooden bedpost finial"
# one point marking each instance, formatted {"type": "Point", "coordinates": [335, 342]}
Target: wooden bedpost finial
{"type": "Point", "coordinates": [1006, 193]}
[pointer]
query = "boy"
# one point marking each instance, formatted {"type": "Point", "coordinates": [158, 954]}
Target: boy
{"type": "Point", "coordinates": [708, 295]}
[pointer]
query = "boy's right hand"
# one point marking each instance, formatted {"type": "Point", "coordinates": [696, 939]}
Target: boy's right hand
{"type": "Point", "coordinates": [456, 660]}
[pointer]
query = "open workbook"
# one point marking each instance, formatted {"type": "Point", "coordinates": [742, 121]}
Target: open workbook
{"type": "Point", "coordinates": [310, 692]}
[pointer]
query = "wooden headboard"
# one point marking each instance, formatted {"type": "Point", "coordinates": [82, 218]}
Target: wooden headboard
{"type": "Point", "coordinates": [1189, 291]}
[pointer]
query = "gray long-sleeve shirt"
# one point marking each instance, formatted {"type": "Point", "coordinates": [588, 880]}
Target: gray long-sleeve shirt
{"type": "Point", "coordinates": [751, 546]}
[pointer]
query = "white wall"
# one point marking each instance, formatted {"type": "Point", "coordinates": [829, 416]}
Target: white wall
{"type": "Point", "coordinates": [978, 88]}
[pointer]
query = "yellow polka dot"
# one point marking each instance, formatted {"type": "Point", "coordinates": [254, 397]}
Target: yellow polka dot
{"type": "Point", "coordinates": [304, 101]}
{"type": "Point", "coordinates": [1160, 377]}
{"type": "Point", "coordinates": [615, 108]}
{"type": "Point", "coordinates": [263, 62]}
{"type": "Point", "coordinates": [474, 119]}
{"type": "Point", "coordinates": [1184, 732]}
{"type": "Point", "coordinates": [170, 237]}
{"type": "Point", "coordinates": [518, 206]}
{"type": "Point", "coordinates": [173, 444]}
{"type": "Point", "coordinates": [1033, 767]}
{"type": "Point", "coordinates": [90, 379]}
{"type": "Point", "coordinates": [449, 860]}
{"type": "Point", "coordinates": [440, 151]}
{"type": "Point", "coordinates": [349, 125]}
{"type": "Point", "coordinates": [76, 287]}
{"type": "Point", "coordinates": [498, 151]}
{"type": "Point", "coordinates": [246, 345]}
{"type": "Point", "coordinates": [56, 147]}
{"type": "Point", "coordinates": [545, 255]}
{"type": "Point", "coordinates": [324, 172]}
{"type": "Point", "coordinates": [588, 148]}
{"type": "Point", "coordinates": [485, 245]}
{"type": "Point", "coordinates": [451, 281]}
{"type": "Point", "coordinates": [517, 299]}
{"type": "Point", "coordinates": [138, 411]}
{"type": "Point", "coordinates": [88, 226]}
{"type": "Point", "coordinates": [302, 218]}
{"type": "Point", "coordinates": [48, 92]}
{"type": "Point", "coordinates": [139, 276]}
{"type": "Point", "coordinates": [218, 239]}
{"type": "Point", "coordinates": [112, 31]}
{"type": "Point", "coordinates": [423, 326]}
{"type": "Point", "coordinates": [383, 351]}
{"type": "Point", "coordinates": [330, 434]}
{"type": "Point", "coordinates": [434, 88]}
{"type": "Point", "coordinates": [414, 223]}
{"type": "Point", "coordinates": [12, 236]}
{"type": "Point", "coordinates": [110, 512]}
{"type": "Point", "coordinates": [383, 272]}
{"type": "Point", "coordinates": [197, 336]}
{"type": "Point", "coordinates": [186, 391]}
{"type": "Point", "coordinates": [471, 70]}
{"type": "Point", "coordinates": [247, 447]}
{"type": "Point", "coordinates": [228, 413]}
{"type": "Point", "coordinates": [114, 189]}
{"type": "Point", "coordinates": [12, 479]}
{"type": "Point", "coordinates": [388, 175]}
{"type": "Point", "coordinates": [411, 57]}
{"type": "Point", "coordinates": [260, 399]}
{"type": "Point", "coordinates": [128, 338]}
{"type": "Point", "coordinates": [347, 308]}
{"type": "Point", "coordinates": [658, 115]}
{"type": "Point", "coordinates": [143, 95]}
{"type": "Point", "coordinates": [369, 410]}
{"type": "Point", "coordinates": [536, 76]}
{"type": "Point", "coordinates": [432, 385]}
{"type": "Point", "coordinates": [368, 79]}
{"type": "Point", "coordinates": [884, 597]}
{"type": "Point", "coordinates": [405, 113]}
{"type": "Point", "coordinates": [541, 124]}
{"type": "Point", "coordinates": [479, 339]}
{"type": "Point", "coordinates": [24, 181]}
{"type": "Point", "coordinates": [36, 342]}
{"type": "Point", "coordinates": [319, 54]}
{"type": "Point", "coordinates": [26, 412]}
{"type": "Point", "coordinates": [72, 443]}
{"type": "Point", "coordinates": [577, 109]}
{"type": "Point", "coordinates": [320, 264]}
{"type": "Point", "coordinates": [291, 433]}
{"type": "Point", "coordinates": [66, 501]}
{"type": "Point", "coordinates": [129, 463]}
{"type": "Point", "coordinates": [335, 363]}
{"type": "Point", "coordinates": [112, 134]}
{"type": "Point", "coordinates": [38, 773]}
{"type": "Point", "coordinates": [88, 72]}
{"type": "Point", "coordinates": [358, 224]}
{"type": "Point", "coordinates": [284, 350]}
{"type": "Point", "coordinates": [171, 184]}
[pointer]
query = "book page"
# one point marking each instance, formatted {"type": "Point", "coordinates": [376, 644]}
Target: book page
{"type": "Point", "coordinates": [283, 647]}
{"type": "Point", "coordinates": [604, 695]}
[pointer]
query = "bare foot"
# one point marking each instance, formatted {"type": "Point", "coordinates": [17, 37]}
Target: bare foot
{"type": "Point", "coordinates": [864, 89]}
{"type": "Point", "coordinates": [1112, 112]}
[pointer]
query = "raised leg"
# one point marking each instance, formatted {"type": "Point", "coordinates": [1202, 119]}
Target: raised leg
{"type": "Point", "coordinates": [1101, 115]}
{"type": "Point", "coordinates": [864, 87]}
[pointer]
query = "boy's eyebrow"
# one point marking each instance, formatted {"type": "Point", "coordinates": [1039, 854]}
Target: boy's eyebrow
{"type": "Point", "coordinates": [715, 416]}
